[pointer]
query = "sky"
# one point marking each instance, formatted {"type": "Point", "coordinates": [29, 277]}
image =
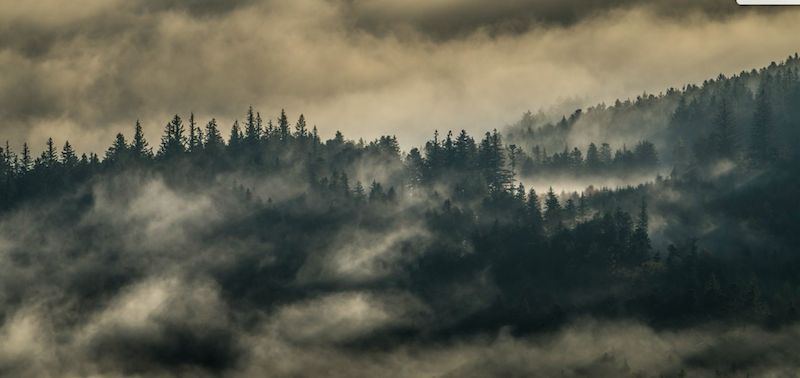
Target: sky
{"type": "Point", "coordinates": [87, 71]}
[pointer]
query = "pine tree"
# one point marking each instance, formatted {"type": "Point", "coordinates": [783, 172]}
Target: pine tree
{"type": "Point", "coordinates": [679, 154]}
{"type": "Point", "coordinates": [376, 192]}
{"type": "Point", "coordinates": [435, 158]}
{"type": "Point", "coordinates": [552, 208]}
{"type": "Point", "coordinates": [391, 195]}
{"type": "Point", "coordinates": [300, 128]}
{"type": "Point", "coordinates": [234, 140]}
{"type": "Point", "coordinates": [605, 154]}
{"type": "Point", "coordinates": [465, 151]}
{"type": "Point", "coordinates": [50, 154]}
{"type": "Point", "coordinates": [173, 142]}
{"type": "Point", "coordinates": [534, 209]}
{"type": "Point", "coordinates": [214, 144]}
{"type": "Point", "coordinates": [26, 162]}
{"type": "Point", "coordinates": [283, 126]}
{"type": "Point", "coordinates": [514, 156]}
{"type": "Point", "coordinates": [260, 126]}
{"type": "Point", "coordinates": [359, 194]}
{"type": "Point", "coordinates": [68, 157]}
{"type": "Point", "coordinates": [492, 161]}
{"type": "Point", "coordinates": [9, 160]}
{"type": "Point", "coordinates": [252, 131]}
{"type": "Point", "coordinates": [761, 133]}
{"type": "Point", "coordinates": [646, 155]}
{"type": "Point", "coordinates": [118, 150]}
{"type": "Point", "coordinates": [570, 212]}
{"type": "Point", "coordinates": [192, 134]}
{"type": "Point", "coordinates": [592, 157]}
{"type": "Point", "coordinates": [415, 168]}
{"type": "Point", "coordinates": [725, 136]}
{"type": "Point", "coordinates": [640, 239]}
{"type": "Point", "coordinates": [520, 194]}
{"type": "Point", "coordinates": [680, 118]}
{"type": "Point", "coordinates": [315, 139]}
{"type": "Point", "coordinates": [139, 145]}
{"type": "Point", "coordinates": [344, 185]}
{"type": "Point", "coordinates": [752, 298]}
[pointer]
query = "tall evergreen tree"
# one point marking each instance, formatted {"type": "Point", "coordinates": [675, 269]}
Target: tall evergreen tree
{"type": "Point", "coordinates": [492, 161]}
{"type": "Point", "coordinates": [27, 161]}
{"type": "Point", "coordinates": [214, 144]}
{"type": "Point", "coordinates": [605, 154]}
{"type": "Point", "coordinates": [725, 136]}
{"type": "Point", "coordinates": [301, 130]}
{"type": "Point", "coordinates": [193, 141]}
{"type": "Point", "coordinates": [762, 150]}
{"type": "Point", "coordinates": [283, 126]}
{"type": "Point", "coordinates": [119, 149]}
{"type": "Point", "coordinates": [139, 146]}
{"type": "Point", "coordinates": [640, 239]}
{"type": "Point", "coordinates": [376, 192]}
{"type": "Point", "coordinates": [50, 154]}
{"type": "Point", "coordinates": [68, 157]}
{"type": "Point", "coordinates": [552, 209]}
{"type": "Point", "coordinates": [680, 118]}
{"type": "Point", "coordinates": [173, 142]}
{"type": "Point", "coordinates": [9, 160]}
{"type": "Point", "coordinates": [415, 168]}
{"type": "Point", "coordinates": [235, 139]}
{"type": "Point", "coordinates": [534, 211]}
{"type": "Point", "coordinates": [592, 157]}
{"type": "Point", "coordinates": [252, 132]}
{"type": "Point", "coordinates": [358, 193]}
{"type": "Point", "coordinates": [465, 151]}
{"type": "Point", "coordinates": [514, 157]}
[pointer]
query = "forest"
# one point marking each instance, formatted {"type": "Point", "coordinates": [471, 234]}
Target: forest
{"type": "Point", "coordinates": [461, 238]}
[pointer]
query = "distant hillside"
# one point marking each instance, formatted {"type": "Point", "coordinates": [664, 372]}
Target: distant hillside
{"type": "Point", "coordinates": [686, 113]}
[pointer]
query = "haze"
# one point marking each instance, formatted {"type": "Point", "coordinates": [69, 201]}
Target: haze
{"type": "Point", "coordinates": [367, 68]}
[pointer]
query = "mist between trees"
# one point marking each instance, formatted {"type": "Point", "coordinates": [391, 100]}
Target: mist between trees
{"type": "Point", "coordinates": [271, 252]}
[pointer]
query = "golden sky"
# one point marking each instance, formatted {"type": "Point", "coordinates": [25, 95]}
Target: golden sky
{"type": "Point", "coordinates": [88, 70]}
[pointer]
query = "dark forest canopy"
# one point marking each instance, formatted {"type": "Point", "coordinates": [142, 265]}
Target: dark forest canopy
{"type": "Point", "coordinates": [271, 216]}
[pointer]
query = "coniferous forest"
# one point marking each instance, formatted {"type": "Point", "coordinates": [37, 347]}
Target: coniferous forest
{"type": "Point", "coordinates": [210, 246]}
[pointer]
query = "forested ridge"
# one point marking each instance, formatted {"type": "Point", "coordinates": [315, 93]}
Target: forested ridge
{"type": "Point", "coordinates": [274, 215]}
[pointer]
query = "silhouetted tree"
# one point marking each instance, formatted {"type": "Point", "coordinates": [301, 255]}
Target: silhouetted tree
{"type": "Point", "coordinates": [762, 150]}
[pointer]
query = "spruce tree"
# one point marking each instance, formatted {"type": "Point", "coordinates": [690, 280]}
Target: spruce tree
{"type": "Point", "coordinates": [640, 239]}
{"type": "Point", "coordinates": [26, 162]}
{"type": "Point", "coordinates": [139, 146]}
{"type": "Point", "coordinates": [300, 128]}
{"type": "Point", "coordinates": [173, 142]}
{"type": "Point", "coordinates": [118, 150]}
{"type": "Point", "coordinates": [235, 138]}
{"type": "Point", "coordinates": [725, 135]}
{"type": "Point", "coordinates": [192, 134]}
{"type": "Point", "coordinates": [534, 210]}
{"type": "Point", "coordinates": [50, 154]}
{"type": "Point", "coordinates": [283, 126]}
{"type": "Point", "coordinates": [214, 144]}
{"type": "Point", "coordinates": [552, 208]}
{"type": "Point", "coordinates": [592, 158]}
{"type": "Point", "coordinates": [251, 130]}
{"type": "Point", "coordinates": [359, 194]}
{"type": "Point", "coordinates": [68, 157]}
{"type": "Point", "coordinates": [761, 133]}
